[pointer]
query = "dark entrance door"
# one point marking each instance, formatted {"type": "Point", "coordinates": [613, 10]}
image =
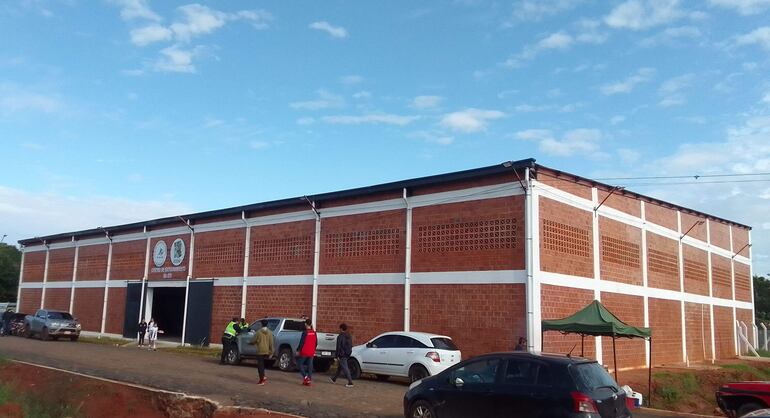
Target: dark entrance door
{"type": "Point", "coordinates": [168, 311]}
{"type": "Point", "coordinates": [199, 300]}
{"type": "Point", "coordinates": [131, 317]}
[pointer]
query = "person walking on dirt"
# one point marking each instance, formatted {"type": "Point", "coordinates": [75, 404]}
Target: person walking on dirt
{"type": "Point", "coordinates": [142, 332]}
{"type": "Point", "coordinates": [306, 351]}
{"type": "Point", "coordinates": [344, 351]}
{"type": "Point", "coordinates": [263, 342]}
{"type": "Point", "coordinates": [152, 333]}
{"type": "Point", "coordinates": [227, 339]}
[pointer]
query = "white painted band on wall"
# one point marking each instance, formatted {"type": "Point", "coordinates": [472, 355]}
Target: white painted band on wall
{"type": "Point", "coordinates": [471, 277]}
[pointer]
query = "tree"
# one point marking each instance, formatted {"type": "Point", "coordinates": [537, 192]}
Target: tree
{"type": "Point", "coordinates": [761, 299]}
{"type": "Point", "coordinates": [10, 263]}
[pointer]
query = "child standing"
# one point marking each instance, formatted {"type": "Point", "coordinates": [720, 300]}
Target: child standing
{"type": "Point", "coordinates": [152, 333]}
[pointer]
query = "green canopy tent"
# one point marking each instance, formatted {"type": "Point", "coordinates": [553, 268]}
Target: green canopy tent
{"type": "Point", "coordinates": [596, 320]}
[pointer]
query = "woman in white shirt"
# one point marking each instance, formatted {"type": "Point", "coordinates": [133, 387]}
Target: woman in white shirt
{"type": "Point", "coordinates": [152, 333]}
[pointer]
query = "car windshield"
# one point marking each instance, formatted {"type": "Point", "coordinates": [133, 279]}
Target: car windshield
{"type": "Point", "coordinates": [444, 344]}
{"type": "Point", "coordinates": [591, 376]}
{"type": "Point", "coordinates": [59, 315]}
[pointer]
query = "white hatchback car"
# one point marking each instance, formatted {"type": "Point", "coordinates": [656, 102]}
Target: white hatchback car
{"type": "Point", "coordinates": [408, 354]}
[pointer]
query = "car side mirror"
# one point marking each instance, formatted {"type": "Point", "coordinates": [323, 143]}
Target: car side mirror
{"type": "Point", "coordinates": [459, 383]}
{"type": "Point", "coordinates": [369, 345]}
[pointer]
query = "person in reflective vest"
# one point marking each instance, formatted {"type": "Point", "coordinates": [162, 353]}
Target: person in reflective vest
{"type": "Point", "coordinates": [228, 339]}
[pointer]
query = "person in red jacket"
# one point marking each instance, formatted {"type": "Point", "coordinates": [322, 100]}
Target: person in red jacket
{"type": "Point", "coordinates": [306, 351]}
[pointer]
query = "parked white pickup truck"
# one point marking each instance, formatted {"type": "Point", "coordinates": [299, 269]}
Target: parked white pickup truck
{"type": "Point", "coordinates": [286, 334]}
{"type": "Point", "coordinates": [51, 324]}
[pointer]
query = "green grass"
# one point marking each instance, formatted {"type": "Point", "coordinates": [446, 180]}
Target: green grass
{"type": "Point", "coordinates": [763, 353]}
{"type": "Point", "coordinates": [194, 350]}
{"type": "Point", "coordinates": [38, 407]}
{"type": "Point", "coordinates": [671, 388]}
{"type": "Point", "coordinates": [760, 373]}
{"type": "Point", "coordinates": [103, 340]}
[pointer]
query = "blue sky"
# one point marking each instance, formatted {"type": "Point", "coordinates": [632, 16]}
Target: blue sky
{"type": "Point", "coordinates": [122, 110]}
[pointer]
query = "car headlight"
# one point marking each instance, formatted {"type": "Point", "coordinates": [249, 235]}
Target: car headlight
{"type": "Point", "coordinates": [77, 326]}
{"type": "Point", "coordinates": [415, 384]}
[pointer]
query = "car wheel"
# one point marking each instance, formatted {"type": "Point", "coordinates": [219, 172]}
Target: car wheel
{"type": "Point", "coordinates": [285, 360]}
{"type": "Point", "coordinates": [418, 372]}
{"type": "Point", "coordinates": [27, 332]}
{"type": "Point", "coordinates": [382, 377]}
{"type": "Point", "coordinates": [44, 335]}
{"type": "Point", "coordinates": [421, 409]}
{"type": "Point", "coordinates": [355, 368]}
{"type": "Point", "coordinates": [748, 407]}
{"type": "Point", "coordinates": [233, 357]}
{"type": "Point", "coordinates": [74, 338]}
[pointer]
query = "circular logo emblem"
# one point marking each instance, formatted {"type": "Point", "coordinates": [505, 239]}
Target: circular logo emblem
{"type": "Point", "coordinates": [177, 252]}
{"type": "Point", "coordinates": [159, 253]}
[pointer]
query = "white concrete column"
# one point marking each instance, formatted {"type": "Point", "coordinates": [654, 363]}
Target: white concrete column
{"type": "Point", "coordinates": [21, 280]}
{"type": "Point", "coordinates": [532, 261]}
{"type": "Point", "coordinates": [736, 340]}
{"type": "Point", "coordinates": [145, 276]}
{"type": "Point", "coordinates": [45, 276]}
{"type": "Point", "coordinates": [685, 359]}
{"type": "Point", "coordinates": [407, 264]}
{"type": "Point", "coordinates": [106, 288]}
{"type": "Point", "coordinates": [644, 280]}
{"type": "Point", "coordinates": [751, 288]}
{"type": "Point", "coordinates": [190, 266]}
{"type": "Point", "coordinates": [711, 290]}
{"type": "Point", "coordinates": [597, 263]}
{"type": "Point", "coordinates": [316, 266]}
{"type": "Point", "coordinates": [74, 277]}
{"type": "Point", "coordinates": [246, 261]}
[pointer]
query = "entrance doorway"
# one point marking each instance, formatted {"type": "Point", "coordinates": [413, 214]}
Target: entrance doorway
{"type": "Point", "coordinates": [166, 305]}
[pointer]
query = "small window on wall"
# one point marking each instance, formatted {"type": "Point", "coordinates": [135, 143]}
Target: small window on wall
{"type": "Point", "coordinates": [487, 234]}
{"type": "Point", "coordinates": [621, 252]}
{"type": "Point", "coordinates": [566, 239]}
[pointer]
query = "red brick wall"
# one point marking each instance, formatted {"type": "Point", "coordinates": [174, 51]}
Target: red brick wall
{"type": "Point", "coordinates": [368, 309]}
{"type": "Point", "coordinates": [479, 318]}
{"type": "Point", "coordinates": [629, 309]}
{"type": "Point", "coordinates": [282, 249]}
{"type": "Point", "coordinates": [116, 310]}
{"type": "Point", "coordinates": [720, 234]}
{"type": "Point", "coordinates": [621, 202]}
{"type": "Point", "coordinates": [365, 243]}
{"type": "Point", "coordinates": [721, 281]}
{"type": "Point", "coordinates": [155, 272]}
{"type": "Point", "coordinates": [92, 262]}
{"type": "Point", "coordinates": [226, 304]}
{"type": "Point", "coordinates": [696, 271]}
{"type": "Point", "coordinates": [662, 262]}
{"type": "Point", "coordinates": [740, 239]}
{"type": "Point", "coordinates": [479, 235]}
{"type": "Point", "coordinates": [724, 332]}
{"type": "Point", "coordinates": [660, 215]}
{"type": "Point", "coordinates": [57, 299]}
{"type": "Point", "coordinates": [219, 253]}
{"type": "Point", "coordinates": [565, 184]}
{"type": "Point", "coordinates": [570, 249]}
{"type": "Point", "coordinates": [666, 325]}
{"type": "Point", "coordinates": [744, 315]}
{"type": "Point", "coordinates": [60, 264]}
{"type": "Point", "coordinates": [128, 260]}
{"type": "Point", "coordinates": [742, 282]}
{"type": "Point", "coordinates": [30, 300]}
{"type": "Point", "coordinates": [88, 307]}
{"type": "Point", "coordinates": [34, 266]}
{"type": "Point", "coordinates": [558, 302]}
{"type": "Point", "coordinates": [621, 252]}
{"type": "Point", "coordinates": [698, 231]}
{"type": "Point", "coordinates": [289, 301]}
{"type": "Point", "coordinates": [698, 330]}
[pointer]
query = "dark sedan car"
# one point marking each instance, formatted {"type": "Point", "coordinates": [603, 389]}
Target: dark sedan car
{"type": "Point", "coordinates": [518, 384]}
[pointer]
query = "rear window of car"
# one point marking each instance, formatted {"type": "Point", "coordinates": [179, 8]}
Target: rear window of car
{"type": "Point", "coordinates": [592, 376]}
{"type": "Point", "coordinates": [294, 326]}
{"type": "Point", "coordinates": [444, 344]}
{"type": "Point", "coordinates": [59, 315]}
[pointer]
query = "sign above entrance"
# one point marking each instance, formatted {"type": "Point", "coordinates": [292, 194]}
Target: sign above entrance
{"type": "Point", "coordinates": [177, 252]}
{"type": "Point", "coordinates": [159, 253]}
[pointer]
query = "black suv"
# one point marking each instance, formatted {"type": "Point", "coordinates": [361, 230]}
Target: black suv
{"type": "Point", "coordinates": [518, 384]}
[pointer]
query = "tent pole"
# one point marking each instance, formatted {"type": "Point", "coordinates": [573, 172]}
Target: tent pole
{"type": "Point", "coordinates": [649, 378]}
{"type": "Point", "coordinates": [614, 358]}
{"type": "Point", "coordinates": [582, 345]}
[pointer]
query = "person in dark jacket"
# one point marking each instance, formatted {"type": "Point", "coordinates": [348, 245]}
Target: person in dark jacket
{"type": "Point", "coordinates": [142, 332]}
{"type": "Point", "coordinates": [308, 342]}
{"type": "Point", "coordinates": [344, 350]}
{"type": "Point", "coordinates": [7, 315]}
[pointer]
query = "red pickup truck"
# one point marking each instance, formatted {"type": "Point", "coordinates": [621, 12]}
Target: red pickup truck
{"type": "Point", "coordinates": [740, 398]}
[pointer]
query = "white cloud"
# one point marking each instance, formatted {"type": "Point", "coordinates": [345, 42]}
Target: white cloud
{"type": "Point", "coordinates": [574, 142]}
{"type": "Point", "coordinates": [759, 36]}
{"type": "Point", "coordinates": [470, 120]}
{"type": "Point", "coordinates": [197, 20]}
{"type": "Point", "coordinates": [334, 31]}
{"type": "Point", "coordinates": [375, 118]}
{"type": "Point", "coordinates": [643, 14]}
{"type": "Point", "coordinates": [535, 10]}
{"type": "Point", "coordinates": [617, 119]}
{"type": "Point", "coordinates": [136, 9]}
{"type": "Point", "coordinates": [433, 137]}
{"type": "Point", "coordinates": [325, 100]}
{"type": "Point", "coordinates": [305, 121]}
{"type": "Point", "coordinates": [642, 75]}
{"type": "Point", "coordinates": [671, 36]}
{"type": "Point", "coordinates": [361, 95]}
{"type": "Point", "coordinates": [259, 19]}
{"type": "Point", "coordinates": [629, 156]}
{"type": "Point", "coordinates": [26, 214]}
{"type": "Point", "coordinates": [351, 79]}
{"type": "Point", "coordinates": [766, 98]}
{"type": "Point", "coordinates": [744, 7]}
{"type": "Point", "coordinates": [150, 34]}
{"type": "Point", "coordinates": [15, 99]}
{"type": "Point", "coordinates": [558, 40]}
{"type": "Point", "coordinates": [174, 59]}
{"type": "Point", "coordinates": [671, 90]}
{"type": "Point", "coordinates": [426, 102]}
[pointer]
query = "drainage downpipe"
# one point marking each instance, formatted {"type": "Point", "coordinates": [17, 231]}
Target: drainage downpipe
{"type": "Point", "coordinates": [407, 264]}
{"type": "Point", "coordinates": [316, 263]}
{"type": "Point", "coordinates": [106, 285]}
{"type": "Point", "coordinates": [45, 274]}
{"type": "Point", "coordinates": [74, 277]}
{"type": "Point", "coordinates": [146, 274]}
{"type": "Point", "coordinates": [21, 277]}
{"type": "Point", "coordinates": [246, 253]}
{"type": "Point", "coordinates": [529, 257]}
{"type": "Point", "coordinates": [187, 284]}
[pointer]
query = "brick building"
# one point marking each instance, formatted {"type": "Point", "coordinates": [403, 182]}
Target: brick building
{"type": "Point", "coordinates": [482, 255]}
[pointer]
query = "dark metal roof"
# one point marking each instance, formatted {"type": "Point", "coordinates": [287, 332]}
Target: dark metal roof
{"type": "Point", "coordinates": [300, 200]}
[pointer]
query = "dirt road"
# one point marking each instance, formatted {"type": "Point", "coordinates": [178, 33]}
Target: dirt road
{"type": "Point", "coordinates": [203, 376]}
